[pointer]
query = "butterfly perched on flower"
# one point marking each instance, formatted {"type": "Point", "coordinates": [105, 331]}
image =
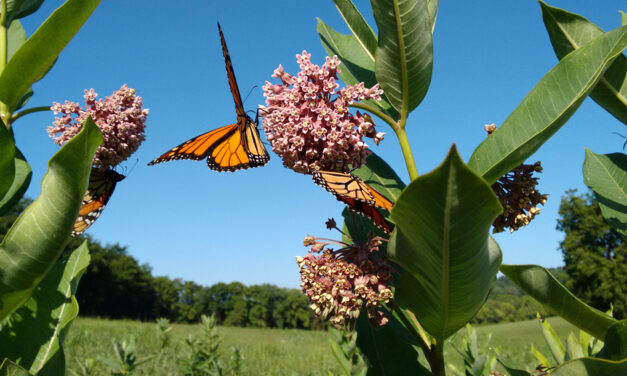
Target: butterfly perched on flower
{"type": "Point", "coordinates": [229, 148]}
{"type": "Point", "coordinates": [101, 186]}
{"type": "Point", "coordinates": [357, 195]}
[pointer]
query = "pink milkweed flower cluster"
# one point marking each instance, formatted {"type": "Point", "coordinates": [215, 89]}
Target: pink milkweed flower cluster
{"type": "Point", "coordinates": [120, 117]}
{"type": "Point", "coordinates": [340, 282]}
{"type": "Point", "coordinates": [307, 122]}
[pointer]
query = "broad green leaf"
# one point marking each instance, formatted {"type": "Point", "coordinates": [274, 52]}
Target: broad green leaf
{"type": "Point", "coordinates": [441, 242]}
{"type": "Point", "coordinates": [404, 58]}
{"type": "Point", "coordinates": [569, 31]}
{"type": "Point", "coordinates": [388, 350]}
{"type": "Point", "coordinates": [36, 330]}
{"type": "Point", "coordinates": [543, 287]}
{"type": "Point", "coordinates": [20, 183]}
{"type": "Point", "coordinates": [513, 371]}
{"type": "Point", "coordinates": [606, 175]}
{"type": "Point", "coordinates": [432, 6]}
{"type": "Point", "coordinates": [553, 341]}
{"type": "Point", "coordinates": [547, 106]}
{"type": "Point", "coordinates": [16, 36]}
{"type": "Point", "coordinates": [573, 348]}
{"type": "Point", "coordinates": [21, 8]}
{"type": "Point", "coordinates": [15, 39]}
{"type": "Point", "coordinates": [591, 367]}
{"type": "Point", "coordinates": [356, 65]}
{"type": "Point", "coordinates": [40, 233]}
{"type": "Point", "coordinates": [359, 27]}
{"type": "Point", "coordinates": [623, 17]}
{"type": "Point", "coordinates": [615, 342]}
{"type": "Point", "coordinates": [22, 102]}
{"type": "Point", "coordinates": [39, 52]}
{"type": "Point", "coordinates": [541, 358]}
{"type": "Point", "coordinates": [340, 357]}
{"type": "Point", "coordinates": [380, 176]}
{"type": "Point", "coordinates": [8, 368]}
{"type": "Point", "coordinates": [589, 344]}
{"type": "Point", "coordinates": [7, 155]}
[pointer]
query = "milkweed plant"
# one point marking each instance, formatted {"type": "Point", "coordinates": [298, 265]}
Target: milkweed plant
{"type": "Point", "coordinates": [406, 293]}
{"type": "Point", "coordinates": [37, 289]}
{"type": "Point", "coordinates": [403, 293]}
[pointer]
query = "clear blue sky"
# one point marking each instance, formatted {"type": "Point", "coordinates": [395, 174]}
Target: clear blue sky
{"type": "Point", "coordinates": [192, 223]}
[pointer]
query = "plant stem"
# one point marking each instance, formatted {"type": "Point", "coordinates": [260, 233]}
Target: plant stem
{"type": "Point", "coordinates": [4, 110]}
{"type": "Point", "coordinates": [409, 157]}
{"type": "Point", "coordinates": [424, 345]}
{"type": "Point", "coordinates": [399, 129]}
{"type": "Point", "coordinates": [436, 359]}
{"type": "Point", "coordinates": [28, 111]}
{"type": "Point", "coordinates": [380, 114]}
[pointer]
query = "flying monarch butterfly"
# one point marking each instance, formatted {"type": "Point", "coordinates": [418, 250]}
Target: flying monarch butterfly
{"type": "Point", "coordinates": [357, 195]}
{"type": "Point", "coordinates": [99, 191]}
{"type": "Point", "coordinates": [229, 148]}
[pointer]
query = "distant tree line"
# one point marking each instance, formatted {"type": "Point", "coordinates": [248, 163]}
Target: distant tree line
{"type": "Point", "coordinates": [508, 303]}
{"type": "Point", "coordinates": [116, 286]}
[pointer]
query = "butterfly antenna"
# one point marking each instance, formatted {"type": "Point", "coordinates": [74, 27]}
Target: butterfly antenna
{"type": "Point", "coordinates": [250, 92]}
{"type": "Point", "coordinates": [131, 169]}
{"type": "Point", "coordinates": [624, 144]}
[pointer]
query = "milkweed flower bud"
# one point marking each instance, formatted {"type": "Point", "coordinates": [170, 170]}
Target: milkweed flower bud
{"type": "Point", "coordinates": [518, 195]}
{"type": "Point", "coordinates": [307, 122]}
{"type": "Point", "coordinates": [120, 117]}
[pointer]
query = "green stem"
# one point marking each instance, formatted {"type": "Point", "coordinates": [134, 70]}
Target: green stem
{"type": "Point", "coordinates": [436, 359]}
{"type": "Point", "coordinates": [380, 114]}
{"type": "Point", "coordinates": [399, 129]}
{"type": "Point", "coordinates": [28, 111]}
{"type": "Point", "coordinates": [424, 345]}
{"type": "Point", "coordinates": [406, 149]}
{"type": "Point", "coordinates": [4, 110]}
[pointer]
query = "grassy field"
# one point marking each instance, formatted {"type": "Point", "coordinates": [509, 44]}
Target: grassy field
{"type": "Point", "coordinates": [271, 351]}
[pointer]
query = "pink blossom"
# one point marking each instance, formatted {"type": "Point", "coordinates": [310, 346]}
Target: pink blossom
{"type": "Point", "coordinates": [120, 117]}
{"type": "Point", "coordinates": [307, 122]}
{"type": "Point", "coordinates": [340, 282]}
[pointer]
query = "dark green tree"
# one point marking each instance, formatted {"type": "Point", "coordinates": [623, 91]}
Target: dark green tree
{"type": "Point", "coordinates": [594, 254]}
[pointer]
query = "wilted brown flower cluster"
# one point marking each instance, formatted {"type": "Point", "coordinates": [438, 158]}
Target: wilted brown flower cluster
{"type": "Point", "coordinates": [340, 282]}
{"type": "Point", "coordinates": [517, 193]}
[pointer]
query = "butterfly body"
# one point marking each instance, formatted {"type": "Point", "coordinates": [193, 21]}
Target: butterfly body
{"type": "Point", "coordinates": [99, 191]}
{"type": "Point", "coordinates": [229, 148]}
{"type": "Point", "coordinates": [357, 195]}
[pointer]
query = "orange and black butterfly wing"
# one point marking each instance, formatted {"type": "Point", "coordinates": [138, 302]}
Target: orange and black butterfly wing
{"type": "Point", "coordinates": [239, 106]}
{"type": "Point", "coordinates": [230, 153]}
{"type": "Point", "coordinates": [369, 211]}
{"type": "Point", "coordinates": [348, 185]}
{"type": "Point", "coordinates": [357, 195]}
{"type": "Point", "coordinates": [250, 139]}
{"type": "Point", "coordinates": [199, 147]}
{"type": "Point", "coordinates": [99, 191]}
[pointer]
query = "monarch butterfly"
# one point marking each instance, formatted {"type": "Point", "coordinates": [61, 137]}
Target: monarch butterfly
{"type": "Point", "coordinates": [357, 195]}
{"type": "Point", "coordinates": [99, 191]}
{"type": "Point", "coordinates": [229, 148]}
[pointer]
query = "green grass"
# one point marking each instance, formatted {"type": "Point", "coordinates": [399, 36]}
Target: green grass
{"type": "Point", "coordinates": [513, 341]}
{"type": "Point", "coordinates": [274, 351]}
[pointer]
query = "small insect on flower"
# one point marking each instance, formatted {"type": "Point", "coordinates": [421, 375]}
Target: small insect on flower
{"type": "Point", "coordinates": [517, 193]}
{"type": "Point", "coordinates": [340, 282]}
{"type": "Point", "coordinates": [307, 122]}
{"type": "Point", "coordinates": [122, 121]}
